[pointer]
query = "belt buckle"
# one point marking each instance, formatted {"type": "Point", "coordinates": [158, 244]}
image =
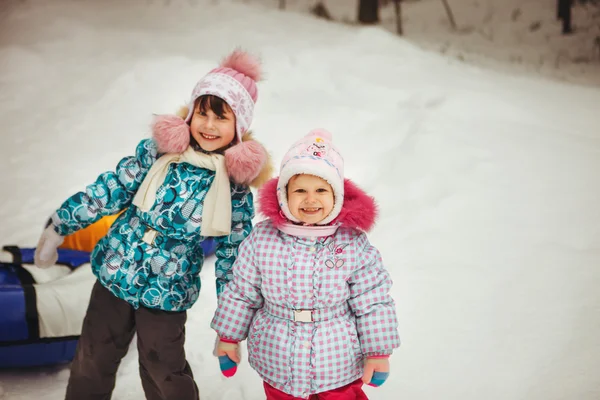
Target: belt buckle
{"type": "Point", "coordinates": [303, 316]}
{"type": "Point", "coordinates": [149, 236]}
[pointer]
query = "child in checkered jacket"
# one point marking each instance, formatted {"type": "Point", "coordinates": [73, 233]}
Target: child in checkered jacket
{"type": "Point", "coordinates": [309, 291]}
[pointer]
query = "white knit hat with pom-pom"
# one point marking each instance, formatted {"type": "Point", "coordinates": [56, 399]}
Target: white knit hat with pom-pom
{"type": "Point", "coordinates": [235, 82]}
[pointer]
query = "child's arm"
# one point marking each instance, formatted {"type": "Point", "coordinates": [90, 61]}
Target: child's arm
{"type": "Point", "coordinates": [241, 297]}
{"type": "Point", "coordinates": [227, 246]}
{"type": "Point", "coordinates": [375, 311]}
{"type": "Point", "coordinates": [112, 192]}
{"type": "Point", "coordinates": [238, 303]}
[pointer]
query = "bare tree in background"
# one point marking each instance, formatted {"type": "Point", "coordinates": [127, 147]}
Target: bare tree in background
{"type": "Point", "coordinates": [319, 10]}
{"type": "Point", "coordinates": [398, 12]}
{"type": "Point", "coordinates": [563, 10]}
{"type": "Point", "coordinates": [282, 4]}
{"type": "Point", "coordinates": [450, 14]}
{"type": "Point", "coordinates": [368, 11]}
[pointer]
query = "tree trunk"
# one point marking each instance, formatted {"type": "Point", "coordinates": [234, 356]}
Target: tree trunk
{"type": "Point", "coordinates": [321, 11]}
{"type": "Point", "coordinates": [450, 14]}
{"type": "Point", "coordinates": [558, 10]}
{"type": "Point", "coordinates": [565, 13]}
{"type": "Point", "coordinates": [368, 11]}
{"type": "Point", "coordinates": [281, 4]}
{"type": "Point", "coordinates": [398, 9]}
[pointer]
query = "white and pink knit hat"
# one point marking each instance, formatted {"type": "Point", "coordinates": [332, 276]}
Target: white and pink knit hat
{"type": "Point", "coordinates": [235, 82]}
{"type": "Point", "coordinates": [314, 154]}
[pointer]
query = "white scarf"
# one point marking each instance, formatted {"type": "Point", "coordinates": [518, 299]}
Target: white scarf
{"type": "Point", "coordinates": [216, 214]}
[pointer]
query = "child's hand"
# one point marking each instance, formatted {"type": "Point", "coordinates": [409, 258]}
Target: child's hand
{"type": "Point", "coordinates": [229, 356]}
{"type": "Point", "coordinates": [46, 253]}
{"type": "Point", "coordinates": [376, 371]}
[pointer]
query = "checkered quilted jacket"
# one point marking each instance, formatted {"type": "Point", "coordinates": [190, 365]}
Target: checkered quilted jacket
{"type": "Point", "coordinates": [340, 276]}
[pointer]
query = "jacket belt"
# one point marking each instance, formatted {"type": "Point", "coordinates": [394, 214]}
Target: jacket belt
{"type": "Point", "coordinates": [298, 315]}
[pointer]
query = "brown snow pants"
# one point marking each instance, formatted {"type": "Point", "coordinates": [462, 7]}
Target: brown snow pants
{"type": "Point", "coordinates": [108, 328]}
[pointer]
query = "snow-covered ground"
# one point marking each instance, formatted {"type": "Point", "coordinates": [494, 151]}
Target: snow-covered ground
{"type": "Point", "coordinates": [487, 181]}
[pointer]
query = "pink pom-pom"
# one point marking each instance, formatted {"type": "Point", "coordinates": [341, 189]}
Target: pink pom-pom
{"type": "Point", "coordinates": [171, 134]}
{"type": "Point", "coordinates": [244, 161]}
{"type": "Point", "coordinates": [245, 63]}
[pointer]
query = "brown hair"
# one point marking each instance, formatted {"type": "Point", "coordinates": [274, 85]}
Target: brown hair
{"type": "Point", "coordinates": [213, 103]}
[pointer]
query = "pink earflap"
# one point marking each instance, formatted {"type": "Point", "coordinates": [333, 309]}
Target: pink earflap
{"type": "Point", "coordinates": [171, 134]}
{"type": "Point", "coordinates": [245, 161]}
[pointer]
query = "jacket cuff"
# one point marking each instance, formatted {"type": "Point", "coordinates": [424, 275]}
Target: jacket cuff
{"type": "Point", "coordinates": [57, 225]}
{"type": "Point", "coordinates": [378, 356]}
{"type": "Point", "coordinates": [224, 340]}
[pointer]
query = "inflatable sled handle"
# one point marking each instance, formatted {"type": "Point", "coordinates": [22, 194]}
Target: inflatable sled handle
{"type": "Point", "coordinates": [66, 257]}
{"type": "Point", "coordinates": [15, 252]}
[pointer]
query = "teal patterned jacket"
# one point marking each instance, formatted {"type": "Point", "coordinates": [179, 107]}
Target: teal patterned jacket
{"type": "Point", "coordinates": [165, 274]}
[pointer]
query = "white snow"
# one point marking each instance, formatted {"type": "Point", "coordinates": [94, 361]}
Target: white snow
{"type": "Point", "coordinates": [487, 179]}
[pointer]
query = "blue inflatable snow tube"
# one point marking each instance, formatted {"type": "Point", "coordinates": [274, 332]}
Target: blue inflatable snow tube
{"type": "Point", "coordinates": [20, 342]}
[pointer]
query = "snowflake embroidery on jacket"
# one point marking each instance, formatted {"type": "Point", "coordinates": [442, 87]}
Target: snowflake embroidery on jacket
{"type": "Point", "coordinates": [336, 250]}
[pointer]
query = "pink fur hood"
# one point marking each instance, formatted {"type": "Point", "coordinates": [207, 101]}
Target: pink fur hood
{"type": "Point", "coordinates": [359, 210]}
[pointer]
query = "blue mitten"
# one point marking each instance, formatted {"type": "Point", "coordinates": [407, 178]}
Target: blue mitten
{"type": "Point", "coordinates": [378, 378]}
{"type": "Point", "coordinates": [376, 370]}
{"type": "Point", "coordinates": [228, 367]}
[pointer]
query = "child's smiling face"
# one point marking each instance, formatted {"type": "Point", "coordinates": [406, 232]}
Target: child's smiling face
{"type": "Point", "coordinates": [212, 124]}
{"type": "Point", "coordinates": [310, 198]}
